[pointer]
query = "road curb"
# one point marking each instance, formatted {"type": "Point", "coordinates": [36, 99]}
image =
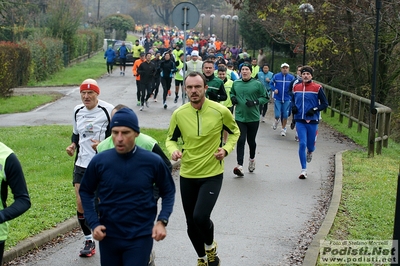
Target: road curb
{"type": "Point", "coordinates": [312, 252]}
{"type": "Point", "coordinates": [38, 240]}
{"type": "Point", "coordinates": [42, 238]}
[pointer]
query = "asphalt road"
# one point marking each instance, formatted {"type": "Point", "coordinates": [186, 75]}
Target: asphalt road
{"type": "Point", "coordinates": [258, 219]}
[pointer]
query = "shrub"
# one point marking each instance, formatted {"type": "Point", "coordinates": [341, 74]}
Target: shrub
{"type": "Point", "coordinates": [47, 57]}
{"type": "Point", "coordinates": [15, 60]}
{"type": "Point", "coordinates": [85, 42]}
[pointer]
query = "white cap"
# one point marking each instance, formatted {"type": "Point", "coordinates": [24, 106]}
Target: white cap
{"type": "Point", "coordinates": [195, 53]}
{"type": "Point", "coordinates": [285, 65]}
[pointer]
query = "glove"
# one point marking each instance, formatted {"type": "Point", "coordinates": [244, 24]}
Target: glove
{"type": "Point", "coordinates": [234, 100]}
{"type": "Point", "coordinates": [294, 110]}
{"type": "Point", "coordinates": [212, 95]}
{"type": "Point", "coordinates": [251, 103]}
{"type": "Point", "coordinates": [312, 111]}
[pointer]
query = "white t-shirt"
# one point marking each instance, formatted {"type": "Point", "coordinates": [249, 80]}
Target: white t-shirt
{"type": "Point", "coordinates": [90, 124]}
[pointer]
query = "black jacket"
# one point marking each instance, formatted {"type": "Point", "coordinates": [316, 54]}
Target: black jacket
{"type": "Point", "coordinates": [146, 71]}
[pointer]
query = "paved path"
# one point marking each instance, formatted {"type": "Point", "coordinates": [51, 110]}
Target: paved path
{"type": "Point", "coordinates": [258, 218]}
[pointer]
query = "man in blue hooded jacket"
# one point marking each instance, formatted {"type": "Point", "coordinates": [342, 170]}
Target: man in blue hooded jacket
{"type": "Point", "coordinates": [110, 55]}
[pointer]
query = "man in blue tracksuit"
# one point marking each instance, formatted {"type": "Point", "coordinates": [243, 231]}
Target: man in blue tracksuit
{"type": "Point", "coordinates": [308, 100]}
{"type": "Point", "coordinates": [280, 85]}
{"type": "Point", "coordinates": [124, 178]}
{"type": "Point", "coordinates": [110, 55]}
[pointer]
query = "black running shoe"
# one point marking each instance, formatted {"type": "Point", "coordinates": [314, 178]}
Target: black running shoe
{"type": "Point", "coordinates": [88, 250]}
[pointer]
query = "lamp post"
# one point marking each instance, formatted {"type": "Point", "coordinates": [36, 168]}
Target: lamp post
{"type": "Point", "coordinates": [235, 19]}
{"type": "Point", "coordinates": [98, 11]}
{"type": "Point", "coordinates": [372, 110]}
{"type": "Point", "coordinates": [202, 22]}
{"type": "Point", "coordinates": [228, 17]}
{"type": "Point", "coordinates": [305, 9]}
{"type": "Point", "coordinates": [222, 34]}
{"type": "Point", "coordinates": [212, 16]}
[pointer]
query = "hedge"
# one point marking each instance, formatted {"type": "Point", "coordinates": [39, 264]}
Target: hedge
{"type": "Point", "coordinates": [15, 60]}
{"type": "Point", "coordinates": [37, 57]}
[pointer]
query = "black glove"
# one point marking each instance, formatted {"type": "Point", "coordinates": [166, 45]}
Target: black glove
{"type": "Point", "coordinates": [251, 103]}
{"type": "Point", "coordinates": [312, 111]}
{"type": "Point", "coordinates": [212, 95]}
{"type": "Point", "coordinates": [234, 100]}
{"type": "Point", "coordinates": [294, 109]}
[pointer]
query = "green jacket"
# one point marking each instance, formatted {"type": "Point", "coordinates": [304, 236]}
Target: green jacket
{"type": "Point", "coordinates": [144, 141]}
{"type": "Point", "coordinates": [4, 153]}
{"type": "Point", "coordinates": [179, 66]}
{"type": "Point", "coordinates": [12, 179]}
{"type": "Point", "coordinates": [248, 90]}
{"type": "Point", "coordinates": [201, 132]}
{"type": "Point", "coordinates": [228, 85]}
{"type": "Point", "coordinates": [215, 87]}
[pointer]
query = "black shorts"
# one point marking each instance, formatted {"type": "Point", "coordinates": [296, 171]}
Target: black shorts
{"type": "Point", "coordinates": [78, 174]}
{"type": "Point", "coordinates": [178, 82]}
{"type": "Point", "coordinates": [122, 61]}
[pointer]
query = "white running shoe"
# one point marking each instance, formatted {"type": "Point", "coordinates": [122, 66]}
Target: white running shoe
{"type": "Point", "coordinates": [303, 174]}
{"type": "Point", "coordinates": [252, 165]}
{"type": "Point", "coordinates": [309, 157]}
{"type": "Point", "coordinates": [275, 125]}
{"type": "Point", "coordinates": [238, 170]}
{"type": "Point", "coordinates": [283, 132]}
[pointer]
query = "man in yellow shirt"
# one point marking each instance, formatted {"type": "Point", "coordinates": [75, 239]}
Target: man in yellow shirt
{"type": "Point", "coordinates": [136, 50]}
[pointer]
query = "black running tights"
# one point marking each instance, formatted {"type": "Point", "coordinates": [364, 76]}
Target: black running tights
{"type": "Point", "coordinates": [199, 196]}
{"type": "Point", "coordinates": [247, 131]}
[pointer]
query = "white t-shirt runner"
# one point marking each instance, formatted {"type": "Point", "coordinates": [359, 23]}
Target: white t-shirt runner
{"type": "Point", "coordinates": [90, 125]}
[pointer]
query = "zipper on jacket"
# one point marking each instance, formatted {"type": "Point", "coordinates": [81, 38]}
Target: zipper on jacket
{"type": "Point", "coordinates": [198, 123]}
{"type": "Point", "coordinates": [302, 98]}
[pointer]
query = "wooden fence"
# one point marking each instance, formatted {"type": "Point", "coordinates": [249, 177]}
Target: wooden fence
{"type": "Point", "coordinates": [357, 110]}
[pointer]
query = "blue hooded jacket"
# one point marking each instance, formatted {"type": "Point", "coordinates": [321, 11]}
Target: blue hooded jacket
{"type": "Point", "coordinates": [110, 55]}
{"type": "Point", "coordinates": [281, 83]}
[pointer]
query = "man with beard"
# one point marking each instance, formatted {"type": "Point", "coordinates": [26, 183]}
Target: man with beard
{"type": "Point", "coordinates": [200, 123]}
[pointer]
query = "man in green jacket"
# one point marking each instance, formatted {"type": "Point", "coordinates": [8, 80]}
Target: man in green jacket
{"type": "Point", "coordinates": [200, 123]}
{"type": "Point", "coordinates": [216, 90]}
{"type": "Point", "coordinates": [247, 94]}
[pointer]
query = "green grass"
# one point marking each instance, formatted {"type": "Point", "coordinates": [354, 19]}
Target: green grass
{"type": "Point", "coordinates": [24, 103]}
{"type": "Point", "coordinates": [366, 210]}
{"type": "Point", "coordinates": [48, 173]}
{"type": "Point", "coordinates": [74, 75]}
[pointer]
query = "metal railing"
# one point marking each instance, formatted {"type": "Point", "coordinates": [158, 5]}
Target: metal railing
{"type": "Point", "coordinates": [357, 110]}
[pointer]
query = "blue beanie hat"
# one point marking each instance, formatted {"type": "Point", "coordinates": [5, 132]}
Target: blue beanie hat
{"type": "Point", "coordinates": [125, 118]}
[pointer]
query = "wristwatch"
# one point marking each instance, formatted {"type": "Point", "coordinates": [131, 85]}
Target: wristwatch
{"type": "Point", "coordinates": [163, 221]}
{"type": "Point", "coordinates": [315, 108]}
